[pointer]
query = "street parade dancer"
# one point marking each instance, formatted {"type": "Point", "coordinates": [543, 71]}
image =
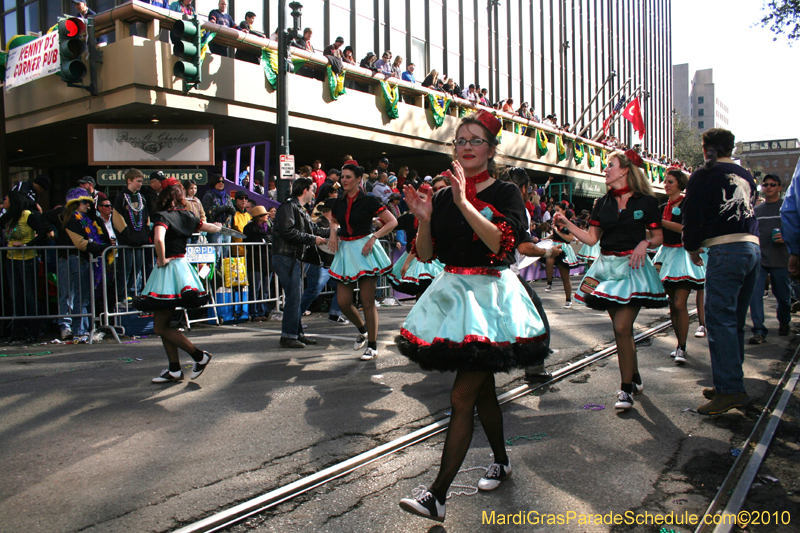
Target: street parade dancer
{"type": "Point", "coordinates": [359, 257]}
{"type": "Point", "coordinates": [174, 283]}
{"type": "Point", "coordinates": [678, 274]}
{"type": "Point", "coordinates": [623, 280]}
{"type": "Point", "coordinates": [475, 318]}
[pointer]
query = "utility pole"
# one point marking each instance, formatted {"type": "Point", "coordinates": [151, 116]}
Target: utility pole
{"type": "Point", "coordinates": [284, 65]}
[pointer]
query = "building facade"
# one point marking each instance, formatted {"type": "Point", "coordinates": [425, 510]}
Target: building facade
{"type": "Point", "coordinates": [699, 101]}
{"type": "Point", "coordinates": [554, 54]}
{"type": "Point", "coordinates": [777, 157]}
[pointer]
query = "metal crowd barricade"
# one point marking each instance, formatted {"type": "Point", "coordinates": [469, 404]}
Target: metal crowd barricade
{"type": "Point", "coordinates": [47, 283]}
{"type": "Point", "coordinates": [237, 278]}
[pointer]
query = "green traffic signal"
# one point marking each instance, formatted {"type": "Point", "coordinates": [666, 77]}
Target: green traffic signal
{"type": "Point", "coordinates": [185, 37]}
{"type": "Point", "coordinates": [71, 46]}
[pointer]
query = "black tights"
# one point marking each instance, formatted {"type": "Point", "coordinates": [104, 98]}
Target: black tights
{"type": "Point", "coordinates": [172, 339]}
{"type": "Point", "coordinates": [470, 389]}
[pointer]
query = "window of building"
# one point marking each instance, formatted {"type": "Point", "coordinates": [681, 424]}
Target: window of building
{"type": "Point", "coordinates": [786, 162]}
{"type": "Point", "coordinates": [774, 163]}
{"type": "Point", "coordinates": [701, 125]}
{"type": "Point", "coordinates": [701, 112]}
{"type": "Point", "coordinates": [700, 99]}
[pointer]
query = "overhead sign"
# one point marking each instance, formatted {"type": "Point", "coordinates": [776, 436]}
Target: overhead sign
{"type": "Point", "coordinates": [137, 144]}
{"type": "Point", "coordinates": [287, 166]}
{"type": "Point", "coordinates": [32, 60]}
{"type": "Point", "coordinates": [116, 176]}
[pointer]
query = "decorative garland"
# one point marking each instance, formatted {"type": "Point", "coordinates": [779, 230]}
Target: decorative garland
{"type": "Point", "coordinates": [462, 111]}
{"type": "Point", "coordinates": [561, 149]}
{"type": "Point", "coordinates": [647, 171]}
{"type": "Point", "coordinates": [499, 135]}
{"type": "Point", "coordinates": [661, 174]}
{"type": "Point", "coordinates": [579, 150]}
{"type": "Point", "coordinates": [603, 159]}
{"type": "Point", "coordinates": [439, 107]}
{"type": "Point", "coordinates": [269, 61]}
{"type": "Point", "coordinates": [390, 96]}
{"type": "Point", "coordinates": [135, 213]}
{"type": "Point", "coordinates": [541, 141]}
{"type": "Point", "coordinates": [591, 157]}
{"type": "Point", "coordinates": [204, 42]}
{"type": "Point", "coordinates": [336, 83]}
{"type": "Point", "coordinates": [520, 129]}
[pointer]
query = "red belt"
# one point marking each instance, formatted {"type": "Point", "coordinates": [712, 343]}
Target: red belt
{"type": "Point", "coordinates": [673, 245]}
{"type": "Point", "coordinates": [618, 254]}
{"type": "Point", "coordinates": [473, 271]}
{"type": "Point", "coordinates": [351, 238]}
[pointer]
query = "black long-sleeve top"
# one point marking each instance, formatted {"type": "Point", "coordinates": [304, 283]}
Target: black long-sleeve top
{"type": "Point", "coordinates": [454, 239]}
{"type": "Point", "coordinates": [719, 207]}
{"type": "Point", "coordinates": [624, 230]}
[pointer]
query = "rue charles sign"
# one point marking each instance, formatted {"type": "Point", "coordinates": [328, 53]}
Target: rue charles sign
{"type": "Point", "coordinates": [116, 176]}
{"type": "Point", "coordinates": [137, 145]}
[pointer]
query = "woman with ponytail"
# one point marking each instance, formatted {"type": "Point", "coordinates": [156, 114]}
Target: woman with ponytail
{"type": "Point", "coordinates": [719, 216]}
{"type": "Point", "coordinates": [567, 259]}
{"type": "Point", "coordinates": [623, 280]}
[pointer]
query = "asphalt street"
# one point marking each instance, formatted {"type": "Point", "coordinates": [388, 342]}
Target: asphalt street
{"type": "Point", "coordinates": [91, 445]}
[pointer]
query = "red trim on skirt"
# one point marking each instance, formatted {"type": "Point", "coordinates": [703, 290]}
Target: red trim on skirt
{"type": "Point", "coordinates": [473, 271]}
{"type": "Point", "coordinates": [467, 340]}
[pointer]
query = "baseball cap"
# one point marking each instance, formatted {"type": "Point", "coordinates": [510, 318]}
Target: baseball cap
{"type": "Point", "coordinates": [87, 179]}
{"type": "Point", "coordinates": [335, 171]}
{"type": "Point", "coordinates": [339, 40]}
{"type": "Point", "coordinates": [242, 194]}
{"type": "Point", "coordinates": [157, 175]}
{"type": "Point", "coordinates": [385, 161]}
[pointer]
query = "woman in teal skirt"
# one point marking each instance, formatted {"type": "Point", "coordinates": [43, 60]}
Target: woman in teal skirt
{"type": "Point", "coordinates": [678, 274]}
{"type": "Point", "coordinates": [409, 275]}
{"type": "Point", "coordinates": [175, 282]}
{"type": "Point", "coordinates": [623, 280]}
{"type": "Point", "coordinates": [359, 257]}
{"type": "Point", "coordinates": [475, 318]}
{"type": "Point", "coordinates": [566, 260]}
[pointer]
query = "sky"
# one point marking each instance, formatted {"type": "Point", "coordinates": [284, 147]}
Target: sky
{"type": "Point", "coordinates": [756, 77]}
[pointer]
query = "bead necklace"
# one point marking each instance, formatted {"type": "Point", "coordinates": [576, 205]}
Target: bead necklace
{"type": "Point", "coordinates": [135, 213]}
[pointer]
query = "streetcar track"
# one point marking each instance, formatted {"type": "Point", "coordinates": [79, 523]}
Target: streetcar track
{"type": "Point", "coordinates": [280, 495]}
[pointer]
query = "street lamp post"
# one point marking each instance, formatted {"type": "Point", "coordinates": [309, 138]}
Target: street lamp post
{"type": "Point", "coordinates": [284, 65]}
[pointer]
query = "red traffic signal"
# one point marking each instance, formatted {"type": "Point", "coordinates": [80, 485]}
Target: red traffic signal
{"type": "Point", "coordinates": [72, 27]}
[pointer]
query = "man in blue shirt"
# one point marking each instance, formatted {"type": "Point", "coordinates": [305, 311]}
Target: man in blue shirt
{"type": "Point", "coordinates": [408, 75]}
{"type": "Point", "coordinates": [84, 12]}
{"type": "Point", "coordinates": [218, 16]}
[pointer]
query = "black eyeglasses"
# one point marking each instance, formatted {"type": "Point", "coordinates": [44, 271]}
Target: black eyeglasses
{"type": "Point", "coordinates": [473, 142]}
{"type": "Point", "coordinates": [105, 205]}
{"type": "Point", "coordinates": [770, 185]}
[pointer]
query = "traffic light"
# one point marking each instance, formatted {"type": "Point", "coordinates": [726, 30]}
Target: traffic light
{"type": "Point", "coordinates": [72, 45]}
{"type": "Point", "coordinates": [185, 36]}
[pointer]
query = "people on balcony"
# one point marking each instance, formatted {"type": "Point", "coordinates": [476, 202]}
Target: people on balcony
{"type": "Point", "coordinates": [183, 6]}
{"type": "Point", "coordinates": [219, 16]}
{"type": "Point", "coordinates": [335, 48]}
{"type": "Point", "coordinates": [408, 75]}
{"type": "Point", "coordinates": [348, 56]}
{"type": "Point", "coordinates": [384, 64]}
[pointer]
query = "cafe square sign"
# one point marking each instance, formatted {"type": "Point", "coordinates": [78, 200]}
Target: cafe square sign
{"type": "Point", "coordinates": [139, 145]}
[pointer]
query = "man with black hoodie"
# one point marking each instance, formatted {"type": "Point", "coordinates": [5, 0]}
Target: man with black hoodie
{"type": "Point", "coordinates": [131, 221]}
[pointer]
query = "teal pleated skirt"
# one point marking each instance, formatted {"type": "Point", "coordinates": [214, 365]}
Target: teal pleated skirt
{"type": "Point", "coordinates": [418, 276]}
{"type": "Point", "coordinates": [611, 282]}
{"type": "Point", "coordinates": [589, 253]}
{"type": "Point", "coordinates": [677, 267]}
{"type": "Point", "coordinates": [175, 285]}
{"type": "Point", "coordinates": [349, 264]}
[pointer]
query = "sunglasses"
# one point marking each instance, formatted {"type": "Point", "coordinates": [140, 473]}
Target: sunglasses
{"type": "Point", "coordinates": [86, 202]}
{"type": "Point", "coordinates": [105, 205]}
{"type": "Point", "coordinates": [770, 185]}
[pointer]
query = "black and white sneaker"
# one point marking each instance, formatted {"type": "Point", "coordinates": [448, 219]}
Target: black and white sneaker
{"type": "Point", "coordinates": [637, 387]}
{"type": "Point", "coordinates": [198, 367]}
{"type": "Point", "coordinates": [336, 319]}
{"type": "Point", "coordinates": [624, 400]}
{"type": "Point", "coordinates": [360, 342]}
{"type": "Point", "coordinates": [424, 504]}
{"type": "Point", "coordinates": [369, 355]}
{"type": "Point", "coordinates": [495, 474]}
{"type": "Point", "coordinates": [169, 377]}
{"type": "Point", "coordinates": [680, 357]}
{"type": "Point", "coordinates": [549, 287]}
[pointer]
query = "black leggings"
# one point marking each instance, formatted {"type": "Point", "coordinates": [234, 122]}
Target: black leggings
{"type": "Point", "coordinates": [172, 339]}
{"type": "Point", "coordinates": [470, 389]}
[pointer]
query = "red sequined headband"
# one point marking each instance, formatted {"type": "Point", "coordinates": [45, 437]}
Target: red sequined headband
{"type": "Point", "coordinates": [635, 158]}
{"type": "Point", "coordinates": [350, 162]}
{"type": "Point", "coordinates": [489, 121]}
{"type": "Point", "coordinates": [674, 168]}
{"type": "Point", "coordinates": [169, 182]}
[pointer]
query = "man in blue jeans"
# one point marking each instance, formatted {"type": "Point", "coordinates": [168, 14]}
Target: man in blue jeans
{"type": "Point", "coordinates": [774, 262]}
{"type": "Point", "coordinates": [719, 216]}
{"type": "Point", "coordinates": [293, 231]}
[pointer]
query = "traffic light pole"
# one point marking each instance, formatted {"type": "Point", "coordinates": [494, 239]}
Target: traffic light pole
{"type": "Point", "coordinates": [95, 57]}
{"type": "Point", "coordinates": [282, 119]}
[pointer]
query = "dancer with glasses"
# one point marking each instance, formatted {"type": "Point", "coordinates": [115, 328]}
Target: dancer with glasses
{"type": "Point", "coordinates": [475, 318]}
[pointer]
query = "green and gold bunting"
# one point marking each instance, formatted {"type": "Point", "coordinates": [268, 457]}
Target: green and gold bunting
{"type": "Point", "coordinates": [591, 157]}
{"type": "Point", "coordinates": [297, 63]}
{"type": "Point", "coordinates": [561, 150]}
{"type": "Point", "coordinates": [390, 96]}
{"type": "Point", "coordinates": [499, 135]}
{"type": "Point", "coordinates": [647, 172]}
{"type": "Point", "coordinates": [269, 61]}
{"type": "Point", "coordinates": [206, 39]}
{"type": "Point", "coordinates": [336, 83]}
{"type": "Point", "coordinates": [603, 159]}
{"type": "Point", "coordinates": [520, 129]}
{"type": "Point", "coordinates": [462, 111]}
{"type": "Point", "coordinates": [661, 174]}
{"type": "Point", "coordinates": [439, 106]}
{"type": "Point", "coordinates": [580, 151]}
{"type": "Point", "coordinates": [541, 141]}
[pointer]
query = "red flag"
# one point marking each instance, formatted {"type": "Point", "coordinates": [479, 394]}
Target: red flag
{"type": "Point", "coordinates": [633, 113]}
{"type": "Point", "coordinates": [607, 124]}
